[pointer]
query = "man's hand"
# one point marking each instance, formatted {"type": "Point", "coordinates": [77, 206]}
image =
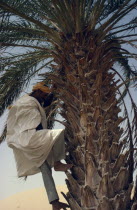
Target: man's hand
{"type": "Point", "coordinates": [56, 205]}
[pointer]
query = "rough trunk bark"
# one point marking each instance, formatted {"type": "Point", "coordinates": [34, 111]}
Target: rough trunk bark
{"type": "Point", "coordinates": [100, 178]}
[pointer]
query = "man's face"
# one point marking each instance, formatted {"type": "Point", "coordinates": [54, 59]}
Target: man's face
{"type": "Point", "coordinates": [43, 95]}
{"type": "Point", "coordinates": [40, 95]}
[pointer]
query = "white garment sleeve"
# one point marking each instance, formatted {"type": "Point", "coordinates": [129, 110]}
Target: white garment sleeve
{"type": "Point", "coordinates": [28, 117]}
{"type": "Point", "coordinates": [24, 117]}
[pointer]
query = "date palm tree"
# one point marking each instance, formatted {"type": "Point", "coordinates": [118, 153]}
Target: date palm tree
{"type": "Point", "coordinates": [86, 49]}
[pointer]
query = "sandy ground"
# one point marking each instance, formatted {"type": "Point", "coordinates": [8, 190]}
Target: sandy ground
{"type": "Point", "coordinates": [35, 199]}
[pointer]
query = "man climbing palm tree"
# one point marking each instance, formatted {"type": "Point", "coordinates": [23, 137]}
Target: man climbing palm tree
{"type": "Point", "coordinates": [35, 147]}
{"type": "Point", "coordinates": [87, 48]}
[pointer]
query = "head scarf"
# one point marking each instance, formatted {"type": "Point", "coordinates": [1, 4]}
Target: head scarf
{"type": "Point", "coordinates": [38, 86]}
{"type": "Point", "coordinates": [41, 86]}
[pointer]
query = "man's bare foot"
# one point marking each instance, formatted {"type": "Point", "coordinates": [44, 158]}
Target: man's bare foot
{"type": "Point", "coordinates": [58, 166]}
{"type": "Point", "coordinates": [56, 205]}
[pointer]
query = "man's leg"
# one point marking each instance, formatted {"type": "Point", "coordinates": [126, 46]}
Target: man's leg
{"type": "Point", "coordinates": [57, 152]}
{"type": "Point", "coordinates": [56, 155]}
{"type": "Point", "coordinates": [49, 182]}
{"type": "Point", "coordinates": [50, 187]}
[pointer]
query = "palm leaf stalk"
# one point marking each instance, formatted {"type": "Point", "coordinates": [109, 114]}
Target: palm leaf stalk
{"type": "Point", "coordinates": [84, 39]}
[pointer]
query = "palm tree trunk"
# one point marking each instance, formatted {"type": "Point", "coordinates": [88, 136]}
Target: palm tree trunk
{"type": "Point", "coordinates": [100, 178]}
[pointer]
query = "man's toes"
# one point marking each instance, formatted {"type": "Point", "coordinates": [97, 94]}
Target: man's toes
{"type": "Point", "coordinates": [64, 205]}
{"type": "Point", "coordinates": [69, 166]}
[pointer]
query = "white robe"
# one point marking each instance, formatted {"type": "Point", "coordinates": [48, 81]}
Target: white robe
{"type": "Point", "coordinates": [30, 147]}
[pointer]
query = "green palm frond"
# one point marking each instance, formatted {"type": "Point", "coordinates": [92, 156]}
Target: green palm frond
{"type": "Point", "coordinates": [123, 10]}
{"type": "Point", "coordinates": [111, 6]}
{"type": "Point", "coordinates": [8, 61]}
{"type": "Point", "coordinates": [20, 10]}
{"type": "Point", "coordinates": [17, 74]}
{"type": "Point", "coordinates": [19, 32]}
{"type": "Point", "coordinates": [123, 62]}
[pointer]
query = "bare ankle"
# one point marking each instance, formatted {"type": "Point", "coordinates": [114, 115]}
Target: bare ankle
{"type": "Point", "coordinates": [55, 202]}
{"type": "Point", "coordinates": [57, 163]}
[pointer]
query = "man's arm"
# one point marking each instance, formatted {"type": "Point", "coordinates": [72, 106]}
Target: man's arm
{"type": "Point", "coordinates": [47, 102]}
{"type": "Point", "coordinates": [48, 99]}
